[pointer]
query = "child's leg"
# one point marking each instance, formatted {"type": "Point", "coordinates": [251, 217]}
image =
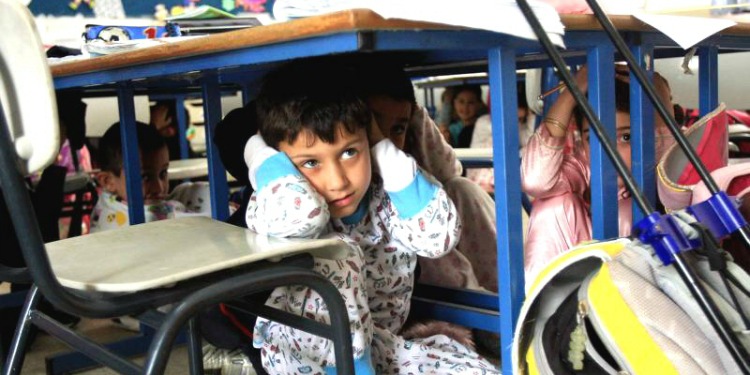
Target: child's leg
{"type": "Point", "coordinates": [437, 354]}
{"type": "Point", "coordinates": [286, 350]}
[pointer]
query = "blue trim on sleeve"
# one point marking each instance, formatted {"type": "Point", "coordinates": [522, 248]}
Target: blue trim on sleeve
{"type": "Point", "coordinates": [412, 199]}
{"type": "Point", "coordinates": [357, 216]}
{"type": "Point", "coordinates": [275, 167]}
{"type": "Point", "coordinates": [362, 365]}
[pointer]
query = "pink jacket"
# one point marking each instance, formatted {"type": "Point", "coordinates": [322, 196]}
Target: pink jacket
{"type": "Point", "coordinates": [557, 177]}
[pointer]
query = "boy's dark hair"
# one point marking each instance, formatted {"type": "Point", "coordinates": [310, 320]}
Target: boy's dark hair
{"type": "Point", "coordinates": [110, 146]}
{"type": "Point", "coordinates": [314, 95]}
{"type": "Point", "coordinates": [384, 78]}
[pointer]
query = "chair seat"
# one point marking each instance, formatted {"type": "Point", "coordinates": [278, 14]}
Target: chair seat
{"type": "Point", "coordinates": [162, 253]}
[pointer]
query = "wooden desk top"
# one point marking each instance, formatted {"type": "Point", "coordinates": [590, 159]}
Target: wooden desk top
{"type": "Point", "coordinates": [343, 21]}
{"type": "Point", "coordinates": [348, 20]}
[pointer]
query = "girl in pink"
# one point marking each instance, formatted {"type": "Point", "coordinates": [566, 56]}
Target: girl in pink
{"type": "Point", "coordinates": [555, 172]}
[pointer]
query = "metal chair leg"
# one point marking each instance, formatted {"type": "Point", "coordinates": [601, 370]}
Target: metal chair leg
{"type": "Point", "coordinates": [17, 350]}
{"type": "Point", "coordinates": [195, 349]}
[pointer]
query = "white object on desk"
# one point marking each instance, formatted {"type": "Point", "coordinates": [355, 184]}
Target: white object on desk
{"type": "Point", "coordinates": [190, 168]}
{"type": "Point", "coordinates": [185, 248]}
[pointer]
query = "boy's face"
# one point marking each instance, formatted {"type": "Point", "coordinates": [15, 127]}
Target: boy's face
{"type": "Point", "coordinates": [392, 117]}
{"type": "Point", "coordinates": [339, 171]}
{"type": "Point", "coordinates": [154, 166]}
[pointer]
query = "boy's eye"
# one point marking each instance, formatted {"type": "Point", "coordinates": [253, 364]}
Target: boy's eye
{"type": "Point", "coordinates": [310, 164]}
{"type": "Point", "coordinates": [144, 177]}
{"type": "Point", "coordinates": [624, 138]}
{"type": "Point", "coordinates": [398, 129]}
{"type": "Point", "coordinates": [163, 174]}
{"type": "Point", "coordinates": [349, 153]}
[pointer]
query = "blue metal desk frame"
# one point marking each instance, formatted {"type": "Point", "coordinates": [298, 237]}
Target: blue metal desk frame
{"type": "Point", "coordinates": [504, 54]}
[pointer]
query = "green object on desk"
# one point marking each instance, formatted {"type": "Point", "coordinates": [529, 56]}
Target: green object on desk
{"type": "Point", "coordinates": [203, 12]}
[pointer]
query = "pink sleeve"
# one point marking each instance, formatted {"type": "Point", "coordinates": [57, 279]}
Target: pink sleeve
{"type": "Point", "coordinates": [546, 170]}
{"type": "Point", "coordinates": [429, 148]}
{"type": "Point", "coordinates": [84, 159]}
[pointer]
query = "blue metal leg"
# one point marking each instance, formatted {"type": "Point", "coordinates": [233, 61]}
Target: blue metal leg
{"type": "Point", "coordinates": [603, 176]}
{"type": "Point", "coordinates": [642, 132]}
{"type": "Point", "coordinates": [502, 76]}
{"type": "Point", "coordinates": [708, 78]}
{"type": "Point", "coordinates": [131, 159]}
{"type": "Point", "coordinates": [216, 172]}
{"type": "Point", "coordinates": [182, 124]}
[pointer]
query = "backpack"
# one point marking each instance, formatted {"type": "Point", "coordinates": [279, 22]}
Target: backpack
{"type": "Point", "coordinates": [613, 308]}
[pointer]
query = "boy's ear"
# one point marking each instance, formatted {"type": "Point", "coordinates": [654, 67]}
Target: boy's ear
{"type": "Point", "coordinates": [107, 181]}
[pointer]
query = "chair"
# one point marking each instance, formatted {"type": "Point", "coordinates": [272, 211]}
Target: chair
{"type": "Point", "coordinates": [190, 263]}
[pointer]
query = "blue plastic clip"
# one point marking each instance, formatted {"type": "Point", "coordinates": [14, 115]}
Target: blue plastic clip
{"type": "Point", "coordinates": [719, 214]}
{"type": "Point", "coordinates": [664, 235]}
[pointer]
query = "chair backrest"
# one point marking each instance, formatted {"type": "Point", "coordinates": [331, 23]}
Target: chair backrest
{"type": "Point", "coordinates": [27, 95]}
{"type": "Point", "coordinates": [29, 136]}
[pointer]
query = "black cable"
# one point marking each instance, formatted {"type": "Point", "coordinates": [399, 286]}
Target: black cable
{"type": "Point", "coordinates": [738, 284]}
{"type": "Point", "coordinates": [734, 299]}
{"type": "Point", "coordinates": [717, 262]}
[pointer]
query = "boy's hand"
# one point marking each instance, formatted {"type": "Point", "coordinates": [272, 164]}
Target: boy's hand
{"type": "Point", "coordinates": [375, 135]}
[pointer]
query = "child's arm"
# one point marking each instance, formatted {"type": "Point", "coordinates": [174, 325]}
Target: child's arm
{"type": "Point", "coordinates": [284, 203]}
{"type": "Point", "coordinates": [429, 147]}
{"type": "Point", "coordinates": [426, 219]}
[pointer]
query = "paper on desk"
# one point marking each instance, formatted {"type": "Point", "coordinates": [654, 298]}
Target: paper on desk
{"type": "Point", "coordinates": [683, 30]}
{"type": "Point", "coordinates": [502, 16]}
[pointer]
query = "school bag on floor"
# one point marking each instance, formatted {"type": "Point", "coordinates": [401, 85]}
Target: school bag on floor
{"type": "Point", "coordinates": [613, 308]}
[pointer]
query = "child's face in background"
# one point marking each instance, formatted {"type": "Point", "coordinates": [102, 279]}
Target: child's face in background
{"type": "Point", "coordinates": [466, 105]}
{"type": "Point", "coordinates": [339, 171]}
{"type": "Point", "coordinates": [622, 121]}
{"type": "Point", "coordinates": [154, 177]}
{"type": "Point", "coordinates": [392, 117]}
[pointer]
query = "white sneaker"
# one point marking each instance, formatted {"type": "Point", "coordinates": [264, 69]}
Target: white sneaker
{"type": "Point", "coordinates": [128, 323]}
{"type": "Point", "coordinates": [228, 362]}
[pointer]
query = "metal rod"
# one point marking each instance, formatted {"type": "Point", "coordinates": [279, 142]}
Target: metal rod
{"type": "Point", "coordinates": [722, 328]}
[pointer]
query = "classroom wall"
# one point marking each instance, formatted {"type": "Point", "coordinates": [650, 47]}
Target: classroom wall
{"type": "Point", "coordinates": [734, 80]}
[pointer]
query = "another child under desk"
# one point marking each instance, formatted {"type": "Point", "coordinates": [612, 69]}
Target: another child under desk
{"type": "Point", "coordinates": [111, 211]}
{"type": "Point", "coordinates": [311, 168]}
{"type": "Point", "coordinates": [555, 171]}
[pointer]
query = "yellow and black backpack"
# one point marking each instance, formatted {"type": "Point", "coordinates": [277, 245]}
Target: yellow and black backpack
{"type": "Point", "coordinates": [614, 308]}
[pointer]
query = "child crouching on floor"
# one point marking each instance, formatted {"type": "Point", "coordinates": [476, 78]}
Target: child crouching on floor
{"type": "Point", "coordinates": [111, 210]}
{"type": "Point", "coordinates": [312, 170]}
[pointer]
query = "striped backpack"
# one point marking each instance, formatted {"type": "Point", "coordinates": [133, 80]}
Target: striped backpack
{"type": "Point", "coordinates": [614, 308]}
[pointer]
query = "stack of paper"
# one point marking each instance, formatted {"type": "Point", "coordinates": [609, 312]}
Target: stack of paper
{"type": "Point", "coordinates": [502, 16]}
